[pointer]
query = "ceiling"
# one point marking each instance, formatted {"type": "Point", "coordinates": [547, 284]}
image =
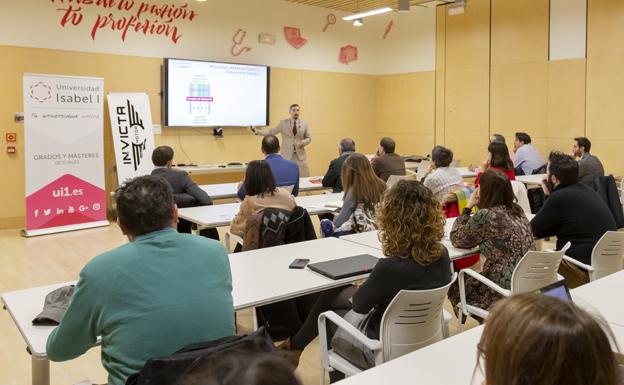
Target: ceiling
{"type": "Point", "coordinates": [364, 5]}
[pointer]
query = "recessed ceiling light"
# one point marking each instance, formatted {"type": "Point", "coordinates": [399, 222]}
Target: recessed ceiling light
{"type": "Point", "coordinates": [367, 13]}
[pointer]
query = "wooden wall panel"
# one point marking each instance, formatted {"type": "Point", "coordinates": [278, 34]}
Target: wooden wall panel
{"type": "Point", "coordinates": [605, 115]}
{"type": "Point", "coordinates": [467, 82]}
{"type": "Point", "coordinates": [605, 27]}
{"type": "Point", "coordinates": [406, 107]}
{"type": "Point", "coordinates": [468, 37]}
{"type": "Point", "coordinates": [519, 97]}
{"type": "Point", "coordinates": [566, 99]}
{"type": "Point", "coordinates": [519, 31]}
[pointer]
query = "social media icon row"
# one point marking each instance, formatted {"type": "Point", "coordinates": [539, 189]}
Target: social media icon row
{"type": "Point", "coordinates": [69, 210]}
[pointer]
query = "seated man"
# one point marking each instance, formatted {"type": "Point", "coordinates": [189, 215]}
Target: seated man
{"type": "Point", "coordinates": [589, 165]}
{"type": "Point", "coordinates": [186, 193]}
{"type": "Point", "coordinates": [573, 213]}
{"type": "Point", "coordinates": [332, 177]}
{"type": "Point", "coordinates": [286, 173]}
{"type": "Point", "coordinates": [527, 158]}
{"type": "Point", "coordinates": [387, 162]}
{"type": "Point", "coordinates": [498, 138]}
{"type": "Point", "coordinates": [440, 178]}
{"type": "Point", "coordinates": [150, 297]}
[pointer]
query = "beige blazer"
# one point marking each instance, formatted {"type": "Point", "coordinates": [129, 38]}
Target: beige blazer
{"type": "Point", "coordinates": [285, 127]}
{"type": "Point", "coordinates": [282, 199]}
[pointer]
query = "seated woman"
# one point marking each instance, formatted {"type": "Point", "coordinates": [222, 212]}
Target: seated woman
{"type": "Point", "coordinates": [533, 340]}
{"type": "Point", "coordinates": [261, 193]}
{"type": "Point", "coordinates": [500, 229]}
{"type": "Point", "coordinates": [362, 189]}
{"type": "Point", "coordinates": [498, 159]}
{"type": "Point", "coordinates": [411, 228]}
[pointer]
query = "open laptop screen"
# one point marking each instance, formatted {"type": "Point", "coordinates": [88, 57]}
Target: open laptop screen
{"type": "Point", "coordinates": [558, 289]}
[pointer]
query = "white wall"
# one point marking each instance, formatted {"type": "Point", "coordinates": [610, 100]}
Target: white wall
{"type": "Point", "coordinates": [568, 29]}
{"type": "Point", "coordinates": [410, 47]}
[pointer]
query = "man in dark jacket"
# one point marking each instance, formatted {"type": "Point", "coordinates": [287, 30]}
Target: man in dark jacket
{"type": "Point", "coordinates": [186, 193]}
{"type": "Point", "coordinates": [573, 213]}
{"type": "Point", "coordinates": [332, 176]}
{"type": "Point", "coordinates": [590, 166]}
{"type": "Point", "coordinates": [387, 161]}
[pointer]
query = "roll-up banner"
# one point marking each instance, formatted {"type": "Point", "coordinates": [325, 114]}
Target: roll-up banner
{"type": "Point", "coordinates": [133, 134]}
{"type": "Point", "coordinates": [64, 153]}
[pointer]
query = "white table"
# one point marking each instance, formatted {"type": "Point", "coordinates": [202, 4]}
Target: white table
{"type": "Point", "coordinates": [222, 215]}
{"type": "Point", "coordinates": [466, 173]}
{"type": "Point", "coordinates": [430, 365]}
{"type": "Point", "coordinates": [371, 239]}
{"type": "Point", "coordinates": [531, 179]}
{"type": "Point", "coordinates": [229, 190]}
{"type": "Point", "coordinates": [604, 296]}
{"type": "Point", "coordinates": [448, 362]}
{"type": "Point", "coordinates": [262, 276]}
{"type": "Point", "coordinates": [259, 277]}
{"type": "Point", "coordinates": [213, 168]}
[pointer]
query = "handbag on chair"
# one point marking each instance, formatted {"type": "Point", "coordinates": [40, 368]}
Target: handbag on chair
{"type": "Point", "coordinates": [349, 348]}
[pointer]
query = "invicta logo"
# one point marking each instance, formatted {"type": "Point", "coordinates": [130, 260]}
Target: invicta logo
{"type": "Point", "coordinates": [132, 135]}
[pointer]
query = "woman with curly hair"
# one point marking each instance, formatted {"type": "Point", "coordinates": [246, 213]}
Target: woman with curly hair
{"type": "Point", "coordinates": [411, 228]}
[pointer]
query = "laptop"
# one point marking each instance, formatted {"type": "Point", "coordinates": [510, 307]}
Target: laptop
{"type": "Point", "coordinates": [558, 289]}
{"type": "Point", "coordinates": [345, 267]}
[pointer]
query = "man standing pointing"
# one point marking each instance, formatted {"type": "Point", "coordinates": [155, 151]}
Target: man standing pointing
{"type": "Point", "coordinates": [295, 136]}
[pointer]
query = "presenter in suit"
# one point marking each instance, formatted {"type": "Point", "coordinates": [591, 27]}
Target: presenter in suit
{"type": "Point", "coordinates": [295, 136]}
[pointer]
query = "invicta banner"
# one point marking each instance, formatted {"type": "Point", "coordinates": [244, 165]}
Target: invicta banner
{"type": "Point", "coordinates": [133, 134]}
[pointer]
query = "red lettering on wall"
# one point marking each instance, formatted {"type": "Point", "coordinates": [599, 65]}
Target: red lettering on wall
{"type": "Point", "coordinates": [124, 16]}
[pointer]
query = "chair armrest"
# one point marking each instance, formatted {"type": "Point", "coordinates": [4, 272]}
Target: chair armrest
{"type": "Point", "coordinates": [578, 264]}
{"type": "Point", "coordinates": [487, 282]}
{"type": "Point", "coordinates": [348, 328]}
{"type": "Point", "coordinates": [231, 237]}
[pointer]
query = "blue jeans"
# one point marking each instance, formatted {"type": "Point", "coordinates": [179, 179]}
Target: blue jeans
{"type": "Point", "coordinates": [327, 228]}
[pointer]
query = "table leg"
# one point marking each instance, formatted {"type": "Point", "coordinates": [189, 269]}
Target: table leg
{"type": "Point", "coordinates": [40, 371]}
{"type": "Point", "coordinates": [254, 319]}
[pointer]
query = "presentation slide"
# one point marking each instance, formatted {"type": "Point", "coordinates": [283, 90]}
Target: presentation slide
{"type": "Point", "coordinates": [209, 94]}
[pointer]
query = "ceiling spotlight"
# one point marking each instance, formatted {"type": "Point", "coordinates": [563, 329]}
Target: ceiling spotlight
{"type": "Point", "coordinates": [404, 6]}
{"type": "Point", "coordinates": [457, 8]}
{"type": "Point", "coordinates": [358, 22]}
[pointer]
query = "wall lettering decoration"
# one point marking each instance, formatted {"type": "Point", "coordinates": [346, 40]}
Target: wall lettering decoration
{"type": "Point", "coordinates": [127, 16]}
{"type": "Point", "coordinates": [331, 20]}
{"type": "Point", "coordinates": [388, 29]}
{"type": "Point", "coordinates": [348, 53]}
{"type": "Point", "coordinates": [237, 40]}
{"type": "Point", "coordinates": [293, 37]}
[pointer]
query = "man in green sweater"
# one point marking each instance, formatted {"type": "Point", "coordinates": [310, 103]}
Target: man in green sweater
{"type": "Point", "coordinates": [150, 297]}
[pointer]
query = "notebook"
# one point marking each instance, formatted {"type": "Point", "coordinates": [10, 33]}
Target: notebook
{"type": "Point", "coordinates": [345, 267]}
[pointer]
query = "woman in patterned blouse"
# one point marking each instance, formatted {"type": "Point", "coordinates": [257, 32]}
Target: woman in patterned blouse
{"type": "Point", "coordinates": [500, 229]}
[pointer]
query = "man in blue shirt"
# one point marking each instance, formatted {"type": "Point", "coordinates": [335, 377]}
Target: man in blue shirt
{"type": "Point", "coordinates": [527, 157]}
{"type": "Point", "coordinates": [286, 173]}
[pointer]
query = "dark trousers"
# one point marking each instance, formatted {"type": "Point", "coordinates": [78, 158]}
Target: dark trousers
{"type": "Point", "coordinates": [334, 299]}
{"type": "Point", "coordinates": [184, 226]}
